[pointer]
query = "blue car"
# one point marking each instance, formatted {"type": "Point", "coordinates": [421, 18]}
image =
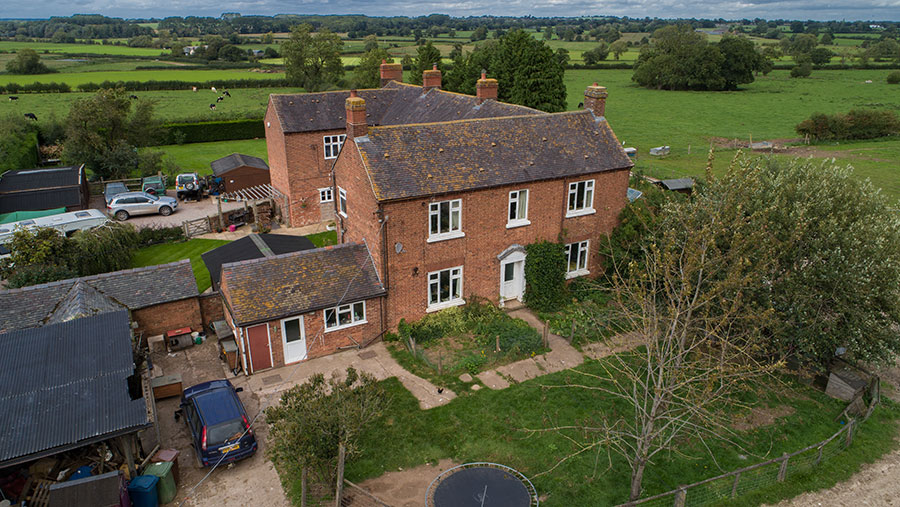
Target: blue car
{"type": "Point", "coordinates": [217, 422]}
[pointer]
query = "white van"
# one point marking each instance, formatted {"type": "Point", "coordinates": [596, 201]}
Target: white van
{"type": "Point", "coordinates": [65, 223]}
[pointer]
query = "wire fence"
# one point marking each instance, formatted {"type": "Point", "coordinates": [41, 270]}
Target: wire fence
{"type": "Point", "coordinates": [742, 481]}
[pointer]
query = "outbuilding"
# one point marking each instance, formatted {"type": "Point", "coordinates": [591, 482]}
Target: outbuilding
{"type": "Point", "coordinates": [44, 189]}
{"type": "Point", "coordinates": [240, 171]}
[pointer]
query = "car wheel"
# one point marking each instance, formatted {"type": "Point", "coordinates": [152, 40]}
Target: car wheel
{"type": "Point", "coordinates": [197, 462]}
{"type": "Point", "coordinates": [121, 215]}
{"type": "Point", "coordinates": [165, 211]}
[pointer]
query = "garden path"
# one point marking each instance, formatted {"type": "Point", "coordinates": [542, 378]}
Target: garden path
{"type": "Point", "coordinates": [562, 356]}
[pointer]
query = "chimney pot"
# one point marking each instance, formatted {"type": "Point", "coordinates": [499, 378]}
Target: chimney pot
{"type": "Point", "coordinates": [595, 99]}
{"type": "Point", "coordinates": [356, 116]}
{"type": "Point", "coordinates": [431, 79]}
{"type": "Point", "coordinates": [485, 88]}
{"type": "Point", "coordinates": [391, 72]}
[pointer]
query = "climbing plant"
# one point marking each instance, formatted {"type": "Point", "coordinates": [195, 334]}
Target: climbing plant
{"type": "Point", "coordinates": [545, 276]}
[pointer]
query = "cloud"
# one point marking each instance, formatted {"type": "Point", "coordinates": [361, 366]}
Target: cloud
{"type": "Point", "coordinates": [769, 9]}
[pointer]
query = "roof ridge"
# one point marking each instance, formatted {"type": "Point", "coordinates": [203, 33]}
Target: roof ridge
{"type": "Point", "coordinates": [486, 119]}
{"type": "Point", "coordinates": [93, 277]}
{"type": "Point", "coordinates": [289, 254]}
{"type": "Point", "coordinates": [310, 94]}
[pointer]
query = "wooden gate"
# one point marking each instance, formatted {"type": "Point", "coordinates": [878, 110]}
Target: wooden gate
{"type": "Point", "coordinates": [196, 227]}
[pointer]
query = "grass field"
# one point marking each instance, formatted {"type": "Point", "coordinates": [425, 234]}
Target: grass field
{"type": "Point", "coordinates": [488, 426]}
{"type": "Point", "coordinates": [196, 157]}
{"type": "Point", "coordinates": [94, 49]}
{"type": "Point", "coordinates": [76, 78]}
{"type": "Point", "coordinates": [171, 252]}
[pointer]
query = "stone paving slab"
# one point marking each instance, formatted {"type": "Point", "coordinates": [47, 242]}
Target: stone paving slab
{"type": "Point", "coordinates": [615, 345]}
{"type": "Point", "coordinates": [493, 380]}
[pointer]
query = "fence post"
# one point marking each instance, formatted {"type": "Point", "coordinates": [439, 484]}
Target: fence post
{"type": "Point", "coordinates": [185, 227]}
{"type": "Point", "coordinates": [339, 490]}
{"type": "Point", "coordinates": [782, 471]}
{"type": "Point", "coordinates": [849, 439]}
{"type": "Point", "coordinates": [303, 487]}
{"type": "Point", "coordinates": [680, 496]}
{"type": "Point", "coordinates": [737, 477]}
{"type": "Point", "coordinates": [819, 456]}
{"type": "Point", "coordinates": [572, 333]}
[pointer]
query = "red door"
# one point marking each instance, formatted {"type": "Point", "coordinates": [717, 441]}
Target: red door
{"type": "Point", "coordinates": [260, 355]}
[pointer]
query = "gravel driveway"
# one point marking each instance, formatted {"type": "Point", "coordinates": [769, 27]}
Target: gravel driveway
{"type": "Point", "coordinates": [187, 210]}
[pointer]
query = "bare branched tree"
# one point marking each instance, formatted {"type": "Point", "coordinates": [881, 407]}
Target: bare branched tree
{"type": "Point", "coordinates": [688, 307]}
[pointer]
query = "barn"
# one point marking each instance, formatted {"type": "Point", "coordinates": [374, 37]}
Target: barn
{"type": "Point", "coordinates": [44, 189]}
{"type": "Point", "coordinates": [240, 171]}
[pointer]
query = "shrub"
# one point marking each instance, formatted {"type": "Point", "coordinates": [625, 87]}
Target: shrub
{"type": "Point", "coordinates": [802, 70]}
{"type": "Point", "coordinates": [211, 131]}
{"type": "Point", "coordinates": [894, 77]}
{"type": "Point", "coordinates": [856, 124]}
{"type": "Point", "coordinates": [38, 273]}
{"type": "Point", "coordinates": [104, 249]}
{"type": "Point", "coordinates": [545, 275]}
{"type": "Point", "coordinates": [155, 235]}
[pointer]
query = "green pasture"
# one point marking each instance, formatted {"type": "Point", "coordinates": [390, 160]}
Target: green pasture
{"type": "Point", "coordinates": [78, 49]}
{"type": "Point", "coordinates": [197, 156]}
{"type": "Point", "coordinates": [76, 78]}
{"type": "Point", "coordinates": [767, 109]}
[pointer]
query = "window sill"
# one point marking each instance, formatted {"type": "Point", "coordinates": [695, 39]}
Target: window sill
{"type": "Point", "coordinates": [445, 236]}
{"type": "Point", "coordinates": [449, 304]}
{"type": "Point", "coordinates": [323, 202]}
{"type": "Point", "coordinates": [577, 273]}
{"type": "Point", "coordinates": [517, 223]}
{"type": "Point", "coordinates": [341, 213]}
{"type": "Point", "coordinates": [345, 326]}
{"type": "Point", "coordinates": [581, 213]}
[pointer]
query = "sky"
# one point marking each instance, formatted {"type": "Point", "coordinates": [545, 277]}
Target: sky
{"type": "Point", "coordinates": [850, 10]}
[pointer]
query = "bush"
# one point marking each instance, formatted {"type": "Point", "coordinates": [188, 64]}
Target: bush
{"type": "Point", "coordinates": [802, 70]}
{"type": "Point", "coordinates": [104, 249]}
{"type": "Point", "coordinates": [894, 77]}
{"type": "Point", "coordinates": [211, 131]}
{"type": "Point", "coordinates": [155, 235]}
{"type": "Point", "coordinates": [856, 124]}
{"type": "Point", "coordinates": [38, 273]}
{"type": "Point", "coordinates": [545, 275]}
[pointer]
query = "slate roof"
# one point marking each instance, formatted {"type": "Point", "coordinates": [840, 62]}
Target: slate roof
{"type": "Point", "coordinates": [65, 385]}
{"type": "Point", "coordinates": [677, 184]}
{"type": "Point", "coordinates": [246, 249]}
{"type": "Point", "coordinates": [132, 288]}
{"type": "Point", "coordinates": [395, 104]}
{"type": "Point", "coordinates": [271, 288]}
{"type": "Point", "coordinates": [235, 160]}
{"type": "Point", "coordinates": [82, 300]}
{"type": "Point", "coordinates": [426, 159]}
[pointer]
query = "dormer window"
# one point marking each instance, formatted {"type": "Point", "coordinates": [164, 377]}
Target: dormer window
{"type": "Point", "coordinates": [581, 199]}
{"type": "Point", "coordinates": [333, 145]}
{"type": "Point", "coordinates": [445, 220]}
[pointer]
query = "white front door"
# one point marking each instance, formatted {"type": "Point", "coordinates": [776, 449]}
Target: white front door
{"type": "Point", "coordinates": [294, 336]}
{"type": "Point", "coordinates": [512, 280]}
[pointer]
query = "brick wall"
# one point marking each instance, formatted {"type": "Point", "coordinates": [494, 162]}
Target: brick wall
{"type": "Point", "coordinates": [361, 224]}
{"type": "Point", "coordinates": [245, 177]}
{"type": "Point", "coordinates": [484, 219]}
{"type": "Point", "coordinates": [298, 169]}
{"type": "Point", "coordinates": [211, 308]}
{"type": "Point", "coordinates": [158, 319]}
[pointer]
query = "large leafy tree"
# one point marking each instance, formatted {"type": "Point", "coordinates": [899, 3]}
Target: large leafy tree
{"type": "Point", "coordinates": [741, 60]}
{"type": "Point", "coordinates": [18, 143]}
{"type": "Point", "coordinates": [427, 56]}
{"type": "Point", "coordinates": [27, 61]}
{"type": "Point", "coordinates": [103, 132]}
{"type": "Point", "coordinates": [368, 73]}
{"type": "Point", "coordinates": [313, 61]}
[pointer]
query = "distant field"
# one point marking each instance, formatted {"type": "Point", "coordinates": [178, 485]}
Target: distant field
{"type": "Point", "coordinates": [171, 105]}
{"type": "Point", "coordinates": [100, 49]}
{"type": "Point", "coordinates": [196, 157]}
{"type": "Point", "coordinates": [769, 108]}
{"type": "Point", "coordinates": [76, 78]}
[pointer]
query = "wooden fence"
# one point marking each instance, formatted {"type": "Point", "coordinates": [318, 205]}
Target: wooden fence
{"type": "Point", "coordinates": [744, 480]}
{"type": "Point", "coordinates": [196, 227]}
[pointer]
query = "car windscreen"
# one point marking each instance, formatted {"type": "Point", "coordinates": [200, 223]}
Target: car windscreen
{"type": "Point", "coordinates": [226, 431]}
{"type": "Point", "coordinates": [185, 179]}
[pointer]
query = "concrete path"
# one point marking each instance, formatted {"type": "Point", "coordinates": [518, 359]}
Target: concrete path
{"type": "Point", "coordinates": [562, 356]}
{"type": "Point", "coordinates": [616, 344]}
{"type": "Point", "coordinates": [375, 360]}
{"type": "Point", "coordinates": [241, 232]}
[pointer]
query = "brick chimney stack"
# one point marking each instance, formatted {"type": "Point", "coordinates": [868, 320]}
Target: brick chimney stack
{"type": "Point", "coordinates": [356, 116]}
{"type": "Point", "coordinates": [486, 88]}
{"type": "Point", "coordinates": [595, 99]}
{"type": "Point", "coordinates": [391, 72]}
{"type": "Point", "coordinates": [431, 79]}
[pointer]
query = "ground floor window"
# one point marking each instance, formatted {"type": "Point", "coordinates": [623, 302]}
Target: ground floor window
{"type": "Point", "coordinates": [576, 259]}
{"type": "Point", "coordinates": [345, 316]}
{"type": "Point", "coordinates": [445, 288]}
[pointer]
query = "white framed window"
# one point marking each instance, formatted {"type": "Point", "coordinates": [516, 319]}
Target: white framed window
{"type": "Point", "coordinates": [581, 198]}
{"type": "Point", "coordinates": [445, 288]}
{"type": "Point", "coordinates": [445, 220]}
{"type": "Point", "coordinates": [343, 316]}
{"type": "Point", "coordinates": [326, 194]}
{"type": "Point", "coordinates": [577, 258]}
{"type": "Point", "coordinates": [518, 209]}
{"type": "Point", "coordinates": [333, 145]}
{"type": "Point", "coordinates": [342, 203]}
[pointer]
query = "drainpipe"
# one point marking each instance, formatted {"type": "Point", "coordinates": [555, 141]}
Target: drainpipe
{"type": "Point", "coordinates": [384, 265]}
{"type": "Point", "coordinates": [243, 351]}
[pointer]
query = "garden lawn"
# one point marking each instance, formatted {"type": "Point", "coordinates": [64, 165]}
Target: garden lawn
{"type": "Point", "coordinates": [326, 238]}
{"type": "Point", "coordinates": [171, 252]}
{"type": "Point", "coordinates": [768, 108]}
{"type": "Point", "coordinates": [488, 426]}
{"type": "Point", "coordinates": [196, 157]}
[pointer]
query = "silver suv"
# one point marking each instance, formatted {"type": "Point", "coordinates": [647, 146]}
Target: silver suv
{"type": "Point", "coordinates": [127, 204]}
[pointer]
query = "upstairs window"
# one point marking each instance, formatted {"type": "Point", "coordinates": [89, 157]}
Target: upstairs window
{"type": "Point", "coordinates": [333, 145]}
{"type": "Point", "coordinates": [342, 196]}
{"type": "Point", "coordinates": [518, 209]}
{"type": "Point", "coordinates": [326, 194]}
{"type": "Point", "coordinates": [581, 198]}
{"type": "Point", "coordinates": [445, 220]}
{"type": "Point", "coordinates": [576, 259]}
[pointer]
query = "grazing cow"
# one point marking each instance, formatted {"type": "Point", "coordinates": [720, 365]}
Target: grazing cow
{"type": "Point", "coordinates": [212, 106]}
{"type": "Point", "coordinates": [133, 97]}
{"type": "Point", "coordinates": [13, 97]}
{"type": "Point", "coordinates": [220, 99]}
{"type": "Point", "coordinates": [193, 88]}
{"type": "Point", "coordinates": [31, 116]}
{"type": "Point", "coordinates": [213, 88]}
{"type": "Point", "coordinates": [226, 93]}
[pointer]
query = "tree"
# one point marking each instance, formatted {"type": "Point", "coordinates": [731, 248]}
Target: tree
{"type": "Point", "coordinates": [562, 56]}
{"type": "Point", "coordinates": [313, 61]}
{"type": "Point", "coordinates": [232, 53]}
{"type": "Point", "coordinates": [27, 61]}
{"type": "Point", "coordinates": [528, 72]}
{"type": "Point", "coordinates": [679, 59]}
{"type": "Point", "coordinates": [315, 418]}
{"type": "Point", "coordinates": [368, 73]}
{"type": "Point", "coordinates": [370, 42]}
{"type": "Point", "coordinates": [480, 33]}
{"type": "Point", "coordinates": [820, 56]}
{"type": "Point", "coordinates": [596, 55]}
{"type": "Point", "coordinates": [548, 32]}
{"type": "Point", "coordinates": [741, 60]}
{"type": "Point", "coordinates": [802, 69]}
{"type": "Point", "coordinates": [268, 38]}
{"type": "Point", "coordinates": [803, 44]}
{"type": "Point", "coordinates": [18, 143]}
{"type": "Point", "coordinates": [827, 39]}
{"type": "Point", "coordinates": [427, 56]}
{"type": "Point", "coordinates": [618, 48]}
{"type": "Point", "coordinates": [140, 41]}
{"type": "Point", "coordinates": [103, 132]}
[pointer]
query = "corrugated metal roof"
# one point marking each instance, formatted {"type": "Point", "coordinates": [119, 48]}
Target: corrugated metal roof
{"type": "Point", "coordinates": [33, 179]}
{"type": "Point", "coordinates": [677, 184]}
{"type": "Point", "coordinates": [65, 384]}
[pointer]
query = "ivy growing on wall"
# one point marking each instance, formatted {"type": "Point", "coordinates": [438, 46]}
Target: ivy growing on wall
{"type": "Point", "coordinates": [545, 276]}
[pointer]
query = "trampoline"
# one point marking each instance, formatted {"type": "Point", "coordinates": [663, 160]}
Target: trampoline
{"type": "Point", "coordinates": [481, 485]}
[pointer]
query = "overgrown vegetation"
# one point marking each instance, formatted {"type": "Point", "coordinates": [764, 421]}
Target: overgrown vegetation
{"type": "Point", "coordinates": [18, 143]}
{"type": "Point", "coordinates": [545, 276]}
{"type": "Point", "coordinates": [855, 124]}
{"type": "Point", "coordinates": [27, 61]}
